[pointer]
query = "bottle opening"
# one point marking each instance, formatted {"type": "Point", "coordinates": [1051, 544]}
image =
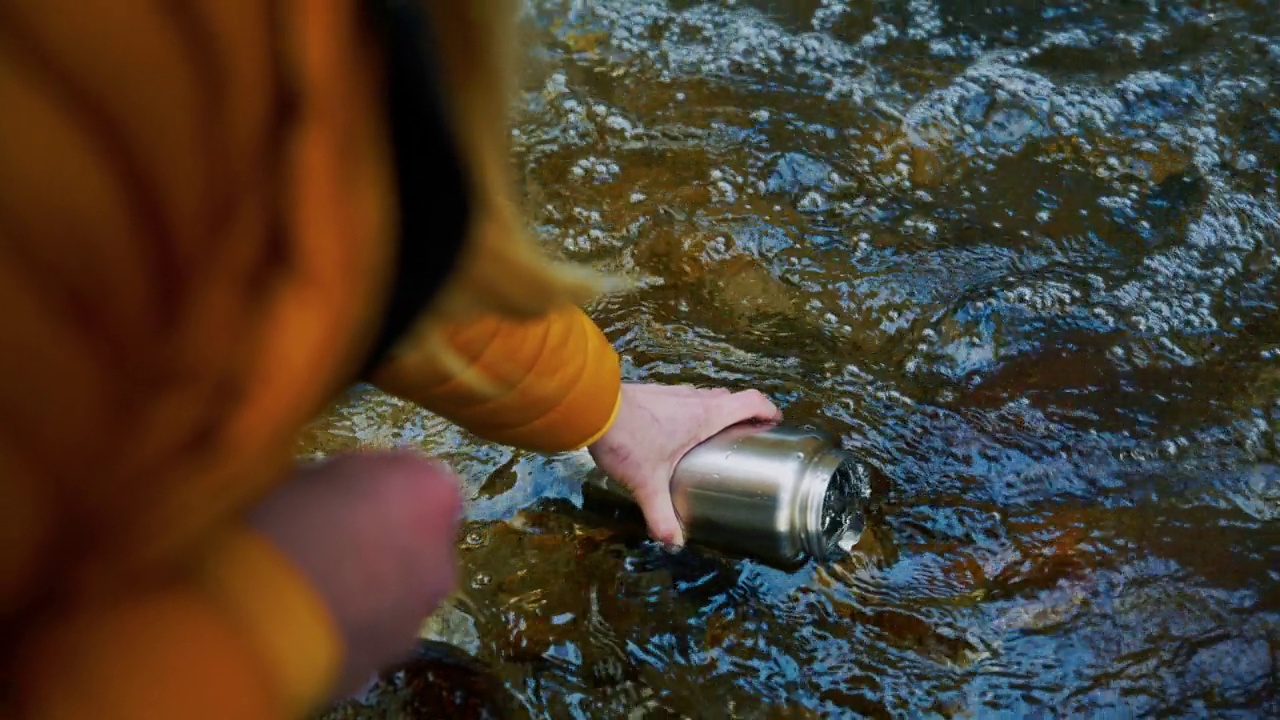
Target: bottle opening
{"type": "Point", "coordinates": [842, 508]}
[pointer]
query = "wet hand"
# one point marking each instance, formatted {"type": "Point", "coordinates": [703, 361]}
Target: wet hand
{"type": "Point", "coordinates": [656, 426]}
{"type": "Point", "coordinates": [375, 534]}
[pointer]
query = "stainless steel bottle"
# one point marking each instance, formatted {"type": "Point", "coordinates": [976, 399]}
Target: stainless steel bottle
{"type": "Point", "coordinates": [778, 494]}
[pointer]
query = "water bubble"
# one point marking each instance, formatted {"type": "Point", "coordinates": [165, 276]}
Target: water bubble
{"type": "Point", "coordinates": [617, 122]}
{"type": "Point", "coordinates": [812, 202]}
{"type": "Point", "coordinates": [725, 192]}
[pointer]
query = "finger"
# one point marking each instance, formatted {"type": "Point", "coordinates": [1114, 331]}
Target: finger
{"type": "Point", "coordinates": [376, 535]}
{"type": "Point", "coordinates": [741, 407]}
{"type": "Point", "coordinates": [653, 496]}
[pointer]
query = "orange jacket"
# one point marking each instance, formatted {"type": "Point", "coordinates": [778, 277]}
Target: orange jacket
{"type": "Point", "coordinates": [197, 236]}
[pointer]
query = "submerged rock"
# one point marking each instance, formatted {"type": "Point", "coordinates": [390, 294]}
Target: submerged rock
{"type": "Point", "coordinates": [796, 172]}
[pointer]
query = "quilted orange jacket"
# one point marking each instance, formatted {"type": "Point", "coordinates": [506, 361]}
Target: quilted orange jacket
{"type": "Point", "coordinates": [214, 215]}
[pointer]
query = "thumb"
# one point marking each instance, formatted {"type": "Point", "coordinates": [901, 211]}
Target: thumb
{"type": "Point", "coordinates": [375, 535]}
{"type": "Point", "coordinates": [653, 496]}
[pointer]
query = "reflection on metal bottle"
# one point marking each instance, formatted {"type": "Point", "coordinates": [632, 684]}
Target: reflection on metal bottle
{"type": "Point", "coordinates": [774, 493]}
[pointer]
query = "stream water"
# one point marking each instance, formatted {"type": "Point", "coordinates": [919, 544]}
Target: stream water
{"type": "Point", "coordinates": [1020, 256]}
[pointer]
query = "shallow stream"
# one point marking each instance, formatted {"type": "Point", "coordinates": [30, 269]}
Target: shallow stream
{"type": "Point", "coordinates": [1021, 257]}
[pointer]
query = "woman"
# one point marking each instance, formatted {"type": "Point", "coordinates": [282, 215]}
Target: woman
{"type": "Point", "coordinates": [213, 217]}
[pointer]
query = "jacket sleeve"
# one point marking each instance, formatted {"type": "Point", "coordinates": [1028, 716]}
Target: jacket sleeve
{"type": "Point", "coordinates": [558, 380]}
{"type": "Point", "coordinates": [242, 636]}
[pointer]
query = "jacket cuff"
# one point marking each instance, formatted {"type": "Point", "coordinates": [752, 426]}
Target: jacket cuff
{"type": "Point", "coordinates": [281, 614]}
{"type": "Point", "coordinates": [613, 417]}
{"type": "Point", "coordinates": [159, 652]}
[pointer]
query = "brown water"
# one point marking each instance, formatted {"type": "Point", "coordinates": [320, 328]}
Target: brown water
{"type": "Point", "coordinates": [1021, 256]}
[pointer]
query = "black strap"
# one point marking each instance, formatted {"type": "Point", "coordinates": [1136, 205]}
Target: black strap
{"type": "Point", "coordinates": [432, 187]}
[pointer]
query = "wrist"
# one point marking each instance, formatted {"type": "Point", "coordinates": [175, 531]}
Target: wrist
{"type": "Point", "coordinates": [605, 431]}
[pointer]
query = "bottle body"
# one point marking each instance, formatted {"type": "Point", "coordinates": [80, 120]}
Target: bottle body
{"type": "Point", "coordinates": [777, 494]}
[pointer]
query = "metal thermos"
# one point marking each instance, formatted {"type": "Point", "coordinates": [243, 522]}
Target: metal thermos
{"type": "Point", "coordinates": [778, 494]}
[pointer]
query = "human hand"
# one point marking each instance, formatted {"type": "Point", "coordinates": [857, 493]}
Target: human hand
{"type": "Point", "coordinates": [375, 534]}
{"type": "Point", "coordinates": [656, 426]}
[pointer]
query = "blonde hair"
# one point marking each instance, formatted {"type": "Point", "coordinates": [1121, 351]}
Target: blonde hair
{"type": "Point", "coordinates": [501, 269]}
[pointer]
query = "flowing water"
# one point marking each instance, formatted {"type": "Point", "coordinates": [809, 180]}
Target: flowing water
{"type": "Point", "coordinates": [1021, 257]}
